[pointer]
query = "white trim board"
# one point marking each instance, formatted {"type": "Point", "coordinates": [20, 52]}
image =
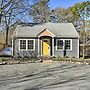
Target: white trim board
{"type": "Point", "coordinates": [27, 45]}
{"type": "Point", "coordinates": [63, 46]}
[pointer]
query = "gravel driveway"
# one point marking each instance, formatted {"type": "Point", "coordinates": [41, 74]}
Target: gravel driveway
{"type": "Point", "coordinates": [45, 76]}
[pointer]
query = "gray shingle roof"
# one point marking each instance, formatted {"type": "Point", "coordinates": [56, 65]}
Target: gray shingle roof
{"type": "Point", "coordinates": [58, 29]}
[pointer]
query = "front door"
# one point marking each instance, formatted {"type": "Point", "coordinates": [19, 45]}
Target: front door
{"type": "Point", "coordinates": [46, 47]}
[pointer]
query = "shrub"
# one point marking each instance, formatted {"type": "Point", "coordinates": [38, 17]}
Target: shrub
{"type": "Point", "coordinates": [66, 57]}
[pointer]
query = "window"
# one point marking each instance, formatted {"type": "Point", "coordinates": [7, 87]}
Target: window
{"type": "Point", "coordinates": [27, 44]}
{"type": "Point", "coordinates": [67, 44]}
{"type": "Point", "coordinates": [22, 44]}
{"type": "Point", "coordinates": [64, 44]}
{"type": "Point", "coordinates": [30, 44]}
{"type": "Point", "coordinates": [60, 44]}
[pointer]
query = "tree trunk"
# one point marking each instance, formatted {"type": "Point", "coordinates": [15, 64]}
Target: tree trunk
{"type": "Point", "coordinates": [83, 52]}
{"type": "Point", "coordinates": [7, 28]}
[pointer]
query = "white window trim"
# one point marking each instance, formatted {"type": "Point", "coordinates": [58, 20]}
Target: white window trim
{"type": "Point", "coordinates": [19, 45]}
{"type": "Point", "coordinates": [33, 44]}
{"type": "Point", "coordinates": [63, 45]}
{"type": "Point", "coordinates": [56, 45]}
{"type": "Point", "coordinates": [27, 45]}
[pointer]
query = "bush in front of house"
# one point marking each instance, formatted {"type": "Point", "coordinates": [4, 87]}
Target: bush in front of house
{"type": "Point", "coordinates": [26, 59]}
{"type": "Point", "coordinates": [59, 58]}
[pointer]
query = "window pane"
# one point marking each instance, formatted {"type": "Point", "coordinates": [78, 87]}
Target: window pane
{"type": "Point", "coordinates": [22, 44]}
{"type": "Point", "coordinates": [22, 41]}
{"type": "Point", "coordinates": [67, 44]}
{"type": "Point", "coordinates": [60, 44]}
{"type": "Point", "coordinates": [30, 44]}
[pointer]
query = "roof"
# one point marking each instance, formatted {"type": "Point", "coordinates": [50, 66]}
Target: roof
{"type": "Point", "coordinates": [58, 29]}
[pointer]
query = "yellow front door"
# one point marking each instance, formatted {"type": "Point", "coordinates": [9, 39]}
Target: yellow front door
{"type": "Point", "coordinates": [46, 47]}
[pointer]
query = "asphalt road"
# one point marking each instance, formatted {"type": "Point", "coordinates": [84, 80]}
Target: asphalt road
{"type": "Point", "coordinates": [45, 76]}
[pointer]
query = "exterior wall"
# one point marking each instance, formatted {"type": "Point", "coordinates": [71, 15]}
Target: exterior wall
{"type": "Point", "coordinates": [24, 53]}
{"type": "Point", "coordinates": [72, 53]}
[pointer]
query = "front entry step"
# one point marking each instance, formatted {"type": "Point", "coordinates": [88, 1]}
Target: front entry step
{"type": "Point", "coordinates": [45, 57]}
{"type": "Point", "coordinates": [47, 61]}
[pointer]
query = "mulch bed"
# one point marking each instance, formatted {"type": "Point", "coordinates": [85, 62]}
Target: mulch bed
{"type": "Point", "coordinates": [11, 61]}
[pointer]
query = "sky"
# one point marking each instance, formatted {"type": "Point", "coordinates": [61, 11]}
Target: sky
{"type": "Point", "coordinates": [63, 3]}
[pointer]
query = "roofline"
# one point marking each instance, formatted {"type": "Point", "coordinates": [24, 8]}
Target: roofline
{"type": "Point", "coordinates": [37, 37]}
{"type": "Point", "coordinates": [53, 35]}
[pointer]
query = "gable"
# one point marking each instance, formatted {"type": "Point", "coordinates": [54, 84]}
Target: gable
{"type": "Point", "coordinates": [46, 32]}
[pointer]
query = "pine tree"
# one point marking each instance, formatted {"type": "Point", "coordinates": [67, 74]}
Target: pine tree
{"type": "Point", "coordinates": [40, 12]}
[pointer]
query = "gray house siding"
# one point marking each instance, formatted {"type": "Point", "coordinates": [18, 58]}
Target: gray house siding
{"type": "Point", "coordinates": [72, 53]}
{"type": "Point", "coordinates": [24, 53]}
{"type": "Point", "coordinates": [54, 31]}
{"type": "Point", "coordinates": [38, 49]}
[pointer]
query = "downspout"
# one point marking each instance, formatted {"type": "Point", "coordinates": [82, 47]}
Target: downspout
{"type": "Point", "coordinates": [53, 46]}
{"type": "Point", "coordinates": [38, 47]}
{"type": "Point", "coordinates": [12, 45]}
{"type": "Point", "coordinates": [78, 49]}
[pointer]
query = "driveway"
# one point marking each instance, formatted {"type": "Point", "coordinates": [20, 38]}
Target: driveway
{"type": "Point", "coordinates": [45, 76]}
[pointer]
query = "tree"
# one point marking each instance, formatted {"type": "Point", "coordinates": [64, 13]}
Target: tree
{"type": "Point", "coordinates": [84, 10]}
{"type": "Point", "coordinates": [66, 15]}
{"type": "Point", "coordinates": [60, 14]}
{"type": "Point", "coordinates": [6, 9]}
{"type": "Point", "coordinates": [75, 15]}
{"type": "Point", "coordinates": [12, 11]}
{"type": "Point", "coordinates": [40, 11]}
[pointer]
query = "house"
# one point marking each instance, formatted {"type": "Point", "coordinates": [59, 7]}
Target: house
{"type": "Point", "coordinates": [49, 39]}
